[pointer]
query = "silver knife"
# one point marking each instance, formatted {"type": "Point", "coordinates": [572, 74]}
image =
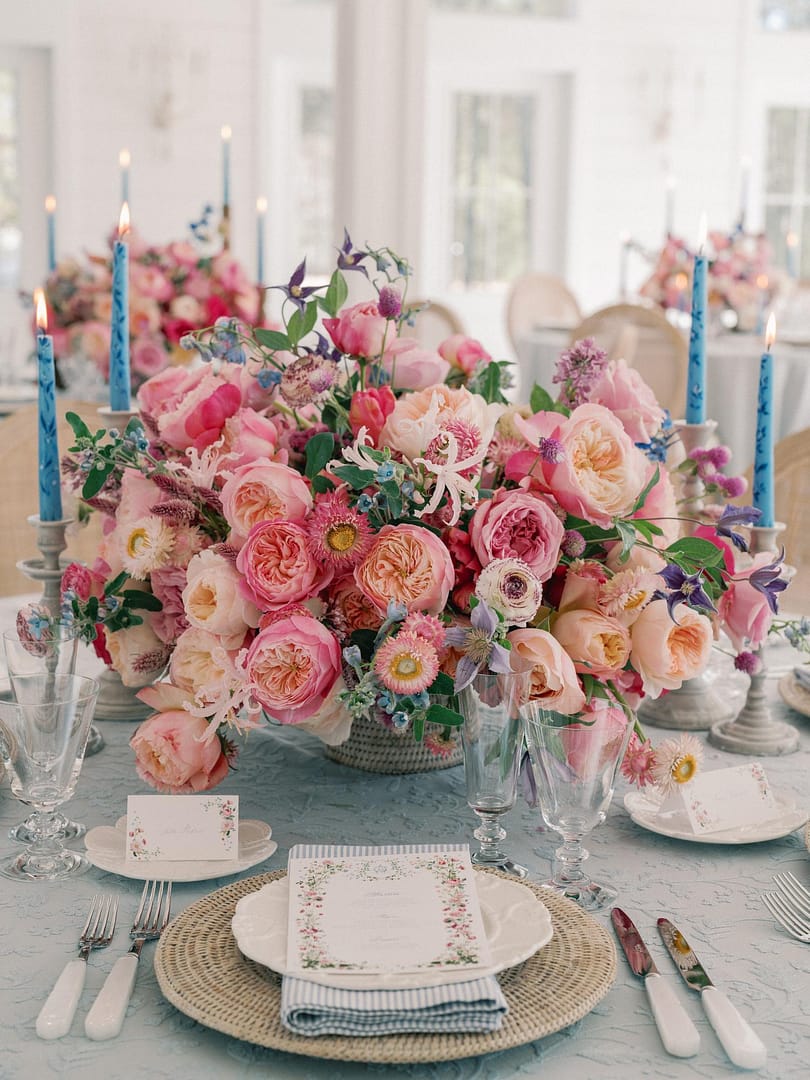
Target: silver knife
{"type": "Point", "coordinates": [678, 1034]}
{"type": "Point", "coordinates": [740, 1041]}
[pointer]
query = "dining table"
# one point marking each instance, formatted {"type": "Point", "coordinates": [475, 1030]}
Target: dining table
{"type": "Point", "coordinates": [711, 891]}
{"type": "Point", "coordinates": [732, 380]}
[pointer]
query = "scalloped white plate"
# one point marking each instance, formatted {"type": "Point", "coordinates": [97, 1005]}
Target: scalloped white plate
{"type": "Point", "coordinates": [794, 694]}
{"type": "Point", "coordinates": [106, 849]}
{"type": "Point", "coordinates": [644, 811]}
{"type": "Point", "coordinates": [515, 921]}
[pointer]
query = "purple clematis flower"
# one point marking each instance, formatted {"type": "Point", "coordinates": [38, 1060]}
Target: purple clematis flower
{"type": "Point", "coordinates": [348, 257]}
{"type": "Point", "coordinates": [479, 647]}
{"type": "Point", "coordinates": [295, 289]}
{"type": "Point", "coordinates": [767, 581]}
{"type": "Point", "coordinates": [731, 518]}
{"type": "Point", "coordinates": [683, 588]}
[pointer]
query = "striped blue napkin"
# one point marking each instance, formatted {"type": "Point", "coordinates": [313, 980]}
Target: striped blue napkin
{"type": "Point", "coordinates": [307, 1008]}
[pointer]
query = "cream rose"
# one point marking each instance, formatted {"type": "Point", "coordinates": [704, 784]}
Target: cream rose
{"type": "Point", "coordinates": [137, 653]}
{"type": "Point", "coordinates": [214, 600]}
{"type": "Point", "coordinates": [417, 418]}
{"type": "Point", "coordinates": [668, 650]}
{"type": "Point", "coordinates": [199, 660]}
{"type": "Point", "coordinates": [597, 644]}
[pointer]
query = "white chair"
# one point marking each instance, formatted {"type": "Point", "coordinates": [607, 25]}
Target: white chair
{"type": "Point", "coordinates": [433, 323]}
{"type": "Point", "coordinates": [538, 300]}
{"type": "Point", "coordinates": [791, 475]}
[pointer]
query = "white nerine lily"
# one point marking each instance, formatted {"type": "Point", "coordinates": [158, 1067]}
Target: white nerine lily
{"type": "Point", "coordinates": [462, 493]}
{"type": "Point", "coordinates": [355, 455]}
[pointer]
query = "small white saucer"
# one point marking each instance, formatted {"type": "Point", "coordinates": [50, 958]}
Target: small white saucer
{"type": "Point", "coordinates": [794, 694]}
{"type": "Point", "coordinates": [643, 809]}
{"type": "Point", "coordinates": [106, 849]}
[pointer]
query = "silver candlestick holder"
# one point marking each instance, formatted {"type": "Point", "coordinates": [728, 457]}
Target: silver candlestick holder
{"type": "Point", "coordinates": [755, 731]}
{"type": "Point", "coordinates": [697, 704]}
{"type": "Point", "coordinates": [48, 570]}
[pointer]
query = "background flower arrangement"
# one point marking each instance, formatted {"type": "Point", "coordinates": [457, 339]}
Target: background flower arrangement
{"type": "Point", "coordinates": [328, 521]}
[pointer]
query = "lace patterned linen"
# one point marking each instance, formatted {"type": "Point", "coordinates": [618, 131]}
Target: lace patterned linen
{"type": "Point", "coordinates": [283, 778]}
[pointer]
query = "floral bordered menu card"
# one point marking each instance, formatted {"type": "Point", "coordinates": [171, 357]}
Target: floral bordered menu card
{"type": "Point", "coordinates": [384, 910]}
{"type": "Point", "coordinates": [729, 798]}
{"type": "Point", "coordinates": [176, 828]}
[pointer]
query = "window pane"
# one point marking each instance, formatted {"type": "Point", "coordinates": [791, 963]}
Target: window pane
{"type": "Point", "coordinates": [315, 177]}
{"type": "Point", "coordinates": [781, 150]}
{"type": "Point", "coordinates": [10, 234]}
{"type": "Point", "coordinates": [785, 14]}
{"type": "Point", "coordinates": [560, 9]}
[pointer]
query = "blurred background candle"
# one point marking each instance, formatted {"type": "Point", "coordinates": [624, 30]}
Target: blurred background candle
{"type": "Point", "coordinates": [119, 328]}
{"type": "Point", "coordinates": [696, 376]}
{"type": "Point", "coordinates": [50, 492]}
{"type": "Point", "coordinates": [791, 244]}
{"type": "Point", "coordinates": [669, 218]}
{"type": "Point", "coordinates": [261, 214]}
{"type": "Point", "coordinates": [624, 254]}
{"type": "Point", "coordinates": [681, 286]}
{"type": "Point", "coordinates": [226, 165]}
{"type": "Point", "coordinates": [763, 446]}
{"type": "Point", "coordinates": [50, 217]}
{"type": "Point", "coordinates": [745, 177]}
{"type": "Point", "coordinates": [762, 301]}
{"type": "Point", "coordinates": [124, 161]}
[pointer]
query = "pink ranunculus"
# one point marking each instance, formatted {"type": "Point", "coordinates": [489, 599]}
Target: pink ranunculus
{"type": "Point", "coordinates": [411, 366]}
{"type": "Point", "coordinates": [186, 308]}
{"type": "Point", "coordinates": [167, 585]}
{"type": "Point", "coordinates": [197, 285]}
{"type": "Point", "coordinates": [78, 578]}
{"type": "Point", "coordinates": [230, 273]}
{"type": "Point", "coordinates": [172, 755]}
{"type": "Point", "coordinates": [183, 253]}
{"type": "Point", "coordinates": [521, 525]}
{"type": "Point", "coordinates": [743, 610]}
{"type": "Point", "coordinates": [669, 649]}
{"type": "Point", "coordinates": [278, 566]}
{"type": "Point", "coordinates": [358, 330]}
{"type": "Point", "coordinates": [248, 435]}
{"type": "Point", "coordinates": [622, 390]}
{"type": "Point", "coordinates": [598, 644]}
{"type": "Point", "coordinates": [463, 352]}
{"type": "Point", "coordinates": [553, 678]}
{"type": "Point", "coordinates": [263, 491]}
{"type": "Point", "coordinates": [370, 409]}
{"type": "Point", "coordinates": [214, 600]}
{"type": "Point", "coordinates": [419, 417]}
{"type": "Point", "coordinates": [137, 653]}
{"type": "Point", "coordinates": [199, 660]}
{"type": "Point", "coordinates": [148, 356]}
{"type": "Point", "coordinates": [591, 747]}
{"type": "Point", "coordinates": [601, 473]}
{"type": "Point", "coordinates": [292, 666]}
{"type": "Point", "coordinates": [150, 281]}
{"type": "Point", "coordinates": [409, 564]}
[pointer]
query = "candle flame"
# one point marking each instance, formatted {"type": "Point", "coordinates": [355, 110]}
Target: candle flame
{"type": "Point", "coordinates": [42, 310]}
{"type": "Point", "coordinates": [762, 281]}
{"type": "Point", "coordinates": [124, 159]}
{"type": "Point", "coordinates": [791, 239]}
{"type": "Point", "coordinates": [123, 221]}
{"type": "Point", "coordinates": [261, 204]}
{"type": "Point", "coordinates": [770, 332]}
{"type": "Point", "coordinates": [50, 204]}
{"type": "Point", "coordinates": [681, 280]}
{"type": "Point", "coordinates": [226, 133]}
{"type": "Point", "coordinates": [703, 231]}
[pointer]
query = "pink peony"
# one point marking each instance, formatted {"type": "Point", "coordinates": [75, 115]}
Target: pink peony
{"type": "Point", "coordinates": [743, 610]}
{"type": "Point", "coordinates": [409, 564]}
{"type": "Point", "coordinates": [214, 600]}
{"type": "Point", "coordinates": [369, 409]}
{"type": "Point", "coordinates": [622, 390]}
{"type": "Point", "coordinates": [553, 677]}
{"type": "Point", "coordinates": [667, 651]}
{"type": "Point", "coordinates": [411, 366]}
{"type": "Point", "coordinates": [597, 644]}
{"type": "Point", "coordinates": [464, 353]}
{"type": "Point", "coordinates": [278, 566]}
{"type": "Point", "coordinates": [292, 666]}
{"type": "Point", "coordinates": [173, 756]}
{"type": "Point", "coordinates": [260, 492]}
{"type": "Point", "coordinates": [519, 525]}
{"type": "Point", "coordinates": [358, 330]}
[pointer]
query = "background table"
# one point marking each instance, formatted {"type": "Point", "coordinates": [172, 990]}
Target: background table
{"type": "Point", "coordinates": [732, 378]}
{"type": "Point", "coordinates": [711, 892]}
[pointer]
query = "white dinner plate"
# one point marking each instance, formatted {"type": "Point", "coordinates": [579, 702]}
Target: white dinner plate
{"type": "Point", "coordinates": [794, 694]}
{"type": "Point", "coordinates": [515, 922]}
{"type": "Point", "coordinates": [106, 849]}
{"type": "Point", "coordinates": [643, 809]}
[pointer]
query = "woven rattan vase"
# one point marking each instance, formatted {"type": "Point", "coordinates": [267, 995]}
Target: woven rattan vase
{"type": "Point", "coordinates": [374, 748]}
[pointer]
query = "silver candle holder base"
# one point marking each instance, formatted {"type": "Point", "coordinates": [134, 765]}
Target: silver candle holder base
{"type": "Point", "coordinates": [755, 731]}
{"type": "Point", "coordinates": [48, 570]}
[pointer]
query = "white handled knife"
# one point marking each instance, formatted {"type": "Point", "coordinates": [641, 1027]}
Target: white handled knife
{"type": "Point", "coordinates": [740, 1041]}
{"type": "Point", "coordinates": [678, 1034]}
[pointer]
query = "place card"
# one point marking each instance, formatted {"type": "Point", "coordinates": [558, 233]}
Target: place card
{"type": "Point", "coordinates": [182, 828]}
{"type": "Point", "coordinates": [387, 910]}
{"type": "Point", "coordinates": [729, 798]}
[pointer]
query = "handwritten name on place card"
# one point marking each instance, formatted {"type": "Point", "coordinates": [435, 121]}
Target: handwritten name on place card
{"type": "Point", "coordinates": [182, 828]}
{"type": "Point", "coordinates": [729, 798]}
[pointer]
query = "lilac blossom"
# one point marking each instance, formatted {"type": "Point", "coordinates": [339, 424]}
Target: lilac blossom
{"type": "Point", "coordinates": [578, 369]}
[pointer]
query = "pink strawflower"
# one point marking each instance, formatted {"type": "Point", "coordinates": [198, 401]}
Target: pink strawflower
{"type": "Point", "coordinates": [406, 664]}
{"type": "Point", "coordinates": [439, 743]}
{"type": "Point", "coordinates": [338, 534]}
{"type": "Point", "coordinates": [425, 626]}
{"type": "Point", "coordinates": [639, 760]}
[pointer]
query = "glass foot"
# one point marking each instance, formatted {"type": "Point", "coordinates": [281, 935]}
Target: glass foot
{"type": "Point", "coordinates": [24, 833]}
{"type": "Point", "coordinates": [502, 862]}
{"type": "Point", "coordinates": [589, 895]}
{"type": "Point", "coordinates": [30, 867]}
{"type": "Point", "coordinates": [95, 741]}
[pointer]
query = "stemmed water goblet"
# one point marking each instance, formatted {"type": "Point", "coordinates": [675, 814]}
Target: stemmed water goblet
{"type": "Point", "coordinates": [492, 740]}
{"type": "Point", "coordinates": [575, 767]}
{"type": "Point", "coordinates": [43, 733]}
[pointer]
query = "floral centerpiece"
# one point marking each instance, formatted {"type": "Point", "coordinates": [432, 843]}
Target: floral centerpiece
{"type": "Point", "coordinates": [173, 289]}
{"type": "Point", "coordinates": [741, 276]}
{"type": "Point", "coordinates": [328, 524]}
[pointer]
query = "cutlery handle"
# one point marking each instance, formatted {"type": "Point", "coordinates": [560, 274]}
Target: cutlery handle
{"type": "Point", "coordinates": [678, 1034]}
{"type": "Point", "coordinates": [56, 1015]}
{"type": "Point", "coordinates": [740, 1041]}
{"type": "Point", "coordinates": [106, 1017]}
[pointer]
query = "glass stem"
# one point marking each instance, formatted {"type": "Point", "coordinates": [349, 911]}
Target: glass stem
{"type": "Point", "coordinates": [45, 829]}
{"type": "Point", "coordinates": [489, 835]}
{"type": "Point", "coordinates": [570, 858]}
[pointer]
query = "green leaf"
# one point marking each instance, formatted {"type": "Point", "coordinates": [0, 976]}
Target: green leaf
{"type": "Point", "coordinates": [489, 384]}
{"type": "Point", "coordinates": [320, 484]}
{"type": "Point", "coordinates": [648, 529]}
{"type": "Point", "coordinates": [627, 532]}
{"type": "Point", "coordinates": [650, 485]}
{"type": "Point", "coordinates": [301, 322]}
{"type": "Point", "coordinates": [419, 726]}
{"type": "Point", "coordinates": [336, 294]}
{"type": "Point", "coordinates": [136, 598]}
{"type": "Point", "coordinates": [695, 551]}
{"type": "Point", "coordinates": [272, 339]}
{"type": "Point", "coordinates": [112, 587]}
{"type": "Point", "coordinates": [320, 449]}
{"type": "Point", "coordinates": [442, 684]}
{"type": "Point", "coordinates": [354, 476]}
{"type": "Point", "coordinates": [95, 481]}
{"type": "Point", "coordinates": [438, 714]}
{"type": "Point", "coordinates": [80, 429]}
{"type": "Point", "coordinates": [540, 399]}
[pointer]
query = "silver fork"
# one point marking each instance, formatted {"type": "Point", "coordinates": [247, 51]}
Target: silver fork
{"type": "Point", "coordinates": [106, 1017]}
{"type": "Point", "coordinates": [796, 924]}
{"type": "Point", "coordinates": [57, 1013]}
{"type": "Point", "coordinates": [792, 888]}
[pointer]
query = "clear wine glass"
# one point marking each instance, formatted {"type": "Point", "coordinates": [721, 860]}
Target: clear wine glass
{"type": "Point", "coordinates": [575, 767]}
{"type": "Point", "coordinates": [54, 653]}
{"type": "Point", "coordinates": [43, 734]}
{"type": "Point", "coordinates": [492, 740]}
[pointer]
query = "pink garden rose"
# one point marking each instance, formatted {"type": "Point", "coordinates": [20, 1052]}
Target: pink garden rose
{"type": "Point", "coordinates": [583, 581]}
{"type": "Point", "coordinates": [598, 644]}
{"type": "Point", "coordinates": [214, 600]}
{"type": "Point", "coordinates": [411, 366]}
{"type": "Point", "coordinates": [263, 491]}
{"type": "Point", "coordinates": [622, 390]}
{"type": "Point", "coordinates": [464, 353]}
{"type": "Point", "coordinates": [370, 409]}
{"type": "Point", "coordinates": [247, 436]}
{"type": "Point", "coordinates": [148, 356]}
{"type": "Point", "coordinates": [164, 392]}
{"type": "Point", "coordinates": [359, 330]}
{"type": "Point", "coordinates": [409, 564]}
{"type": "Point", "coordinates": [668, 650]}
{"type": "Point", "coordinates": [172, 756]}
{"type": "Point", "coordinates": [554, 681]}
{"type": "Point", "coordinates": [167, 586]}
{"type": "Point", "coordinates": [743, 610]}
{"type": "Point", "coordinates": [590, 747]}
{"type": "Point", "coordinates": [419, 417]}
{"type": "Point", "coordinates": [278, 565]}
{"type": "Point", "coordinates": [293, 665]}
{"type": "Point", "coordinates": [521, 525]}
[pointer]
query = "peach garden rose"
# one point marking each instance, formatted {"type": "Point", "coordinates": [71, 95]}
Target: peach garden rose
{"type": "Point", "coordinates": [278, 565]}
{"type": "Point", "coordinates": [553, 678]}
{"type": "Point", "coordinates": [263, 490]}
{"type": "Point", "coordinates": [172, 752]}
{"type": "Point", "coordinates": [408, 564]}
{"type": "Point", "coordinates": [666, 649]}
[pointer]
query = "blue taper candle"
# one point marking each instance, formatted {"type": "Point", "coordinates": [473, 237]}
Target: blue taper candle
{"type": "Point", "coordinates": [50, 492]}
{"type": "Point", "coordinates": [119, 329]}
{"type": "Point", "coordinates": [763, 445]}
{"type": "Point", "coordinates": [261, 213]}
{"type": "Point", "coordinates": [696, 374]}
{"type": "Point", "coordinates": [124, 160]}
{"type": "Point", "coordinates": [50, 216]}
{"type": "Point", "coordinates": [226, 165]}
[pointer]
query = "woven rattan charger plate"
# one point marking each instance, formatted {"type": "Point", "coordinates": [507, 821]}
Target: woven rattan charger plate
{"type": "Point", "coordinates": [202, 973]}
